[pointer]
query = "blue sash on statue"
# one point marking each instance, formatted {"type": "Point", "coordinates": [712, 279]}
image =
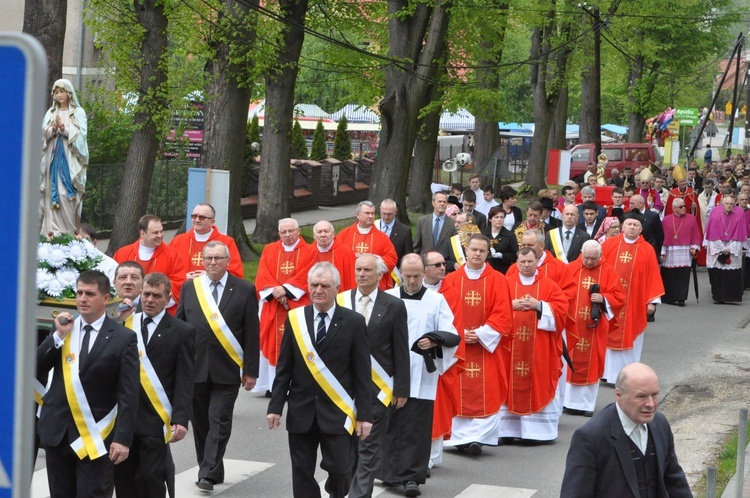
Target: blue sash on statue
{"type": "Point", "coordinates": [59, 167]}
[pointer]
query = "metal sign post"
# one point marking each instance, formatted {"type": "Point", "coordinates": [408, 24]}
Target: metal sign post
{"type": "Point", "coordinates": [23, 73]}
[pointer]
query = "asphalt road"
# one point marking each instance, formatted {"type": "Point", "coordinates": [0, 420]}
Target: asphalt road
{"type": "Point", "coordinates": [678, 345]}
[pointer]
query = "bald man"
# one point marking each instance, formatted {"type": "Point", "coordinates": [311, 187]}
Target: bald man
{"type": "Point", "coordinates": [627, 449]}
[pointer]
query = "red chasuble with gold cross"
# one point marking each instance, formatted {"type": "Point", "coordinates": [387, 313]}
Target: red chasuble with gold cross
{"type": "Point", "coordinates": [587, 344]}
{"type": "Point", "coordinates": [482, 384]}
{"type": "Point", "coordinates": [276, 267]}
{"type": "Point", "coordinates": [638, 269]}
{"type": "Point", "coordinates": [448, 395]}
{"type": "Point", "coordinates": [532, 356]}
{"type": "Point", "coordinates": [373, 242]}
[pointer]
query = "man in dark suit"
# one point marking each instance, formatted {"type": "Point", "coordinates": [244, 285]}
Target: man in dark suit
{"type": "Point", "coordinates": [328, 410]}
{"type": "Point", "coordinates": [94, 355]}
{"type": "Point", "coordinates": [128, 283]}
{"type": "Point", "coordinates": [627, 449]}
{"type": "Point", "coordinates": [424, 238]}
{"type": "Point", "coordinates": [168, 348]}
{"type": "Point", "coordinates": [231, 303]}
{"type": "Point", "coordinates": [548, 209]}
{"type": "Point", "coordinates": [590, 223]}
{"type": "Point", "coordinates": [588, 193]}
{"type": "Point", "coordinates": [399, 233]}
{"type": "Point", "coordinates": [469, 203]}
{"type": "Point", "coordinates": [565, 242]}
{"type": "Point", "coordinates": [653, 231]}
{"type": "Point", "coordinates": [388, 339]}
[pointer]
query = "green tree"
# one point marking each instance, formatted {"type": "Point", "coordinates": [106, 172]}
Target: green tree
{"type": "Point", "coordinates": [342, 144]}
{"type": "Point", "coordinates": [319, 150]}
{"type": "Point", "coordinates": [299, 146]}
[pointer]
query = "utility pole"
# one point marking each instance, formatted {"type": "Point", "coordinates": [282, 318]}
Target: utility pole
{"type": "Point", "coordinates": [591, 105]}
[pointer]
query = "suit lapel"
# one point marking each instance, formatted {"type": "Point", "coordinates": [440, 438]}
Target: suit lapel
{"type": "Point", "coordinates": [103, 338]}
{"type": "Point", "coordinates": [622, 447]}
{"type": "Point", "coordinates": [333, 329]}
{"type": "Point", "coordinates": [160, 333]}
{"type": "Point", "coordinates": [226, 296]}
{"type": "Point", "coordinates": [310, 321]}
{"type": "Point", "coordinates": [379, 310]}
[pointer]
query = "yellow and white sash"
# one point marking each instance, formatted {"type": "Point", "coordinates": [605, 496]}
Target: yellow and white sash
{"type": "Point", "coordinates": [213, 316]}
{"type": "Point", "coordinates": [92, 433]}
{"type": "Point", "coordinates": [379, 376]}
{"type": "Point", "coordinates": [458, 250]}
{"type": "Point", "coordinates": [39, 391]}
{"type": "Point", "coordinates": [151, 383]}
{"type": "Point", "coordinates": [557, 245]}
{"type": "Point", "coordinates": [320, 372]}
{"type": "Point", "coordinates": [396, 276]}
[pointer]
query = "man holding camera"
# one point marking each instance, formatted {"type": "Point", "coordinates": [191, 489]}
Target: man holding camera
{"type": "Point", "coordinates": [598, 300]}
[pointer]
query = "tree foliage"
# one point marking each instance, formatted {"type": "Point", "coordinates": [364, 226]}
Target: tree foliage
{"type": "Point", "coordinates": [299, 146]}
{"type": "Point", "coordinates": [342, 144]}
{"type": "Point", "coordinates": [319, 149]}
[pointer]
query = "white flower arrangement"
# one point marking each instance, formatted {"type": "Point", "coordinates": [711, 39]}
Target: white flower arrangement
{"type": "Point", "coordinates": [61, 259]}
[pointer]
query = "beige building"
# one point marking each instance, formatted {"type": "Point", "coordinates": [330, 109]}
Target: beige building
{"type": "Point", "coordinates": [80, 58]}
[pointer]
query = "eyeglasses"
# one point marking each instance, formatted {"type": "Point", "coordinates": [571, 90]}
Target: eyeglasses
{"type": "Point", "coordinates": [214, 258]}
{"type": "Point", "coordinates": [437, 265]}
{"type": "Point", "coordinates": [200, 217]}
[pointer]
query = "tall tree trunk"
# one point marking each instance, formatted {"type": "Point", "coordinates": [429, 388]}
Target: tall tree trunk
{"type": "Point", "coordinates": [144, 141]}
{"type": "Point", "coordinates": [548, 76]}
{"type": "Point", "coordinates": [559, 121]}
{"type": "Point", "coordinates": [225, 115]}
{"type": "Point", "coordinates": [641, 84]}
{"type": "Point", "coordinates": [274, 177]}
{"type": "Point", "coordinates": [45, 20]}
{"type": "Point", "coordinates": [423, 166]}
{"type": "Point", "coordinates": [417, 34]}
{"type": "Point", "coordinates": [591, 107]}
{"type": "Point", "coordinates": [486, 133]}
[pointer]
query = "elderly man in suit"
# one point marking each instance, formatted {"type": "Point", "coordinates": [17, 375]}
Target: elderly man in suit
{"type": "Point", "coordinates": [388, 339]}
{"type": "Point", "coordinates": [324, 410]}
{"type": "Point", "coordinates": [167, 348]}
{"type": "Point", "coordinates": [224, 311]}
{"type": "Point", "coordinates": [627, 449]}
{"type": "Point", "coordinates": [426, 237]}
{"type": "Point", "coordinates": [95, 372]}
{"type": "Point", "coordinates": [399, 233]}
{"type": "Point", "coordinates": [565, 242]}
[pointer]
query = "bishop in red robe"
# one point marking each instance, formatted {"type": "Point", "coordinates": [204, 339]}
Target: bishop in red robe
{"type": "Point", "coordinates": [635, 261]}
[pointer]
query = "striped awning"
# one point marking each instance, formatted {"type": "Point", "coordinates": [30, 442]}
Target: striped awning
{"type": "Point", "coordinates": [461, 120]}
{"type": "Point", "coordinates": [356, 114]}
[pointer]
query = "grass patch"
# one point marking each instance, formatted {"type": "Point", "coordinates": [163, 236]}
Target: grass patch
{"type": "Point", "coordinates": [726, 463]}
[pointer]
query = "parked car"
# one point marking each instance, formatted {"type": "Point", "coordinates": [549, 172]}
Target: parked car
{"type": "Point", "coordinates": [619, 155]}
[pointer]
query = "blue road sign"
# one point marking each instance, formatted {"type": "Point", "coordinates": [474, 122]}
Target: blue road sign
{"type": "Point", "coordinates": [23, 76]}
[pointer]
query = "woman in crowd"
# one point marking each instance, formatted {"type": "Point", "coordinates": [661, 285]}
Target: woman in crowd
{"type": "Point", "coordinates": [504, 246]}
{"type": "Point", "coordinates": [610, 227]}
{"type": "Point", "coordinates": [513, 215]}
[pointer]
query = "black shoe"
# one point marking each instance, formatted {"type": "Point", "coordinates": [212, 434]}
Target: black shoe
{"type": "Point", "coordinates": [268, 394]}
{"type": "Point", "coordinates": [651, 317]}
{"type": "Point", "coordinates": [681, 304]}
{"type": "Point", "coordinates": [429, 472]}
{"type": "Point", "coordinates": [475, 449]}
{"type": "Point", "coordinates": [506, 441]}
{"type": "Point", "coordinates": [411, 488]}
{"type": "Point", "coordinates": [205, 484]}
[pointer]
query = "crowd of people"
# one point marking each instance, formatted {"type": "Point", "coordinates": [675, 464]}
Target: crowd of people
{"type": "Point", "coordinates": [481, 329]}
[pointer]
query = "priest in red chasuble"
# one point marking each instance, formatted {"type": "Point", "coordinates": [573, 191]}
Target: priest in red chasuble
{"type": "Point", "coordinates": [532, 354]}
{"type": "Point", "coordinates": [362, 237]}
{"type": "Point", "coordinates": [598, 300]}
{"type": "Point", "coordinates": [557, 271]}
{"type": "Point", "coordinates": [485, 311]}
{"type": "Point", "coordinates": [279, 262]}
{"type": "Point", "coordinates": [326, 249]}
{"type": "Point", "coordinates": [191, 243]}
{"type": "Point", "coordinates": [635, 261]}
